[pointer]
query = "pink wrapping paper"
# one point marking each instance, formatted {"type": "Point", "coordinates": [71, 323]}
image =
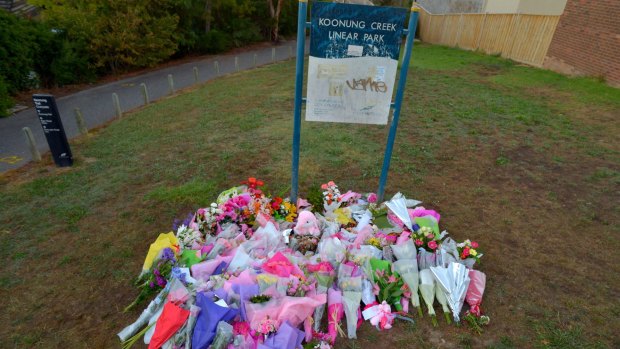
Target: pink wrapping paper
{"type": "Point", "coordinates": [202, 271]}
{"type": "Point", "coordinates": [475, 291]}
{"type": "Point", "coordinates": [335, 312]}
{"type": "Point", "coordinates": [281, 266]}
{"type": "Point", "coordinates": [292, 309]}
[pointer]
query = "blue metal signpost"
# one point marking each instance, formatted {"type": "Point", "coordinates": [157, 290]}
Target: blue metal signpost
{"type": "Point", "coordinates": [302, 25]}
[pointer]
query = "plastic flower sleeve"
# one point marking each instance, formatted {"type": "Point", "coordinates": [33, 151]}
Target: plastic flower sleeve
{"type": "Point", "coordinates": [443, 300]}
{"type": "Point", "coordinates": [448, 251]}
{"type": "Point", "coordinates": [296, 309]}
{"type": "Point", "coordinates": [351, 296]}
{"type": "Point", "coordinates": [405, 250]}
{"type": "Point", "coordinates": [332, 250]}
{"type": "Point", "coordinates": [426, 259]}
{"type": "Point", "coordinates": [191, 322]}
{"type": "Point", "coordinates": [351, 300]}
{"type": "Point", "coordinates": [398, 205]}
{"type": "Point", "coordinates": [163, 241]}
{"type": "Point", "coordinates": [223, 335]}
{"type": "Point", "coordinates": [335, 312]}
{"type": "Point", "coordinates": [454, 281]}
{"type": "Point", "coordinates": [368, 296]}
{"type": "Point", "coordinates": [154, 306]}
{"type": "Point", "coordinates": [408, 270]}
{"type": "Point", "coordinates": [287, 337]}
{"type": "Point", "coordinates": [427, 290]}
{"type": "Point", "coordinates": [240, 261]}
{"type": "Point", "coordinates": [206, 324]}
{"type": "Point", "coordinates": [170, 321]}
{"type": "Point", "coordinates": [265, 281]}
{"type": "Point", "coordinates": [475, 291]}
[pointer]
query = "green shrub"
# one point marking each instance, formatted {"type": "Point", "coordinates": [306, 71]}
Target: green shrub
{"type": "Point", "coordinates": [5, 99]}
{"type": "Point", "coordinates": [17, 51]}
{"type": "Point", "coordinates": [244, 31]}
{"type": "Point", "coordinates": [214, 41]}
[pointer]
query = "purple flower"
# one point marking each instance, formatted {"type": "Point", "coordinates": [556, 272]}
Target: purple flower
{"type": "Point", "coordinates": [167, 255]}
{"type": "Point", "coordinates": [151, 284]}
{"type": "Point", "coordinates": [177, 273]}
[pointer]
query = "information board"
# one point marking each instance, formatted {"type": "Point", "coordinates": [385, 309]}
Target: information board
{"type": "Point", "coordinates": [47, 111]}
{"type": "Point", "coordinates": [354, 52]}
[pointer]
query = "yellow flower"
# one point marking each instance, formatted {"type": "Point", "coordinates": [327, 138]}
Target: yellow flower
{"type": "Point", "coordinates": [473, 252]}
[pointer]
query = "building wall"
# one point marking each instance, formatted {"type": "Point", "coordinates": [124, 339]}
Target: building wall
{"type": "Point", "coordinates": [452, 6]}
{"type": "Point", "coordinates": [531, 7]}
{"type": "Point", "coordinates": [587, 40]}
{"type": "Point", "coordinates": [542, 7]}
{"type": "Point", "coordinates": [501, 6]}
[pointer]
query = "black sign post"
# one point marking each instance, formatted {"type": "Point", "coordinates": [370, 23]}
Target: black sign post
{"type": "Point", "coordinates": [52, 126]}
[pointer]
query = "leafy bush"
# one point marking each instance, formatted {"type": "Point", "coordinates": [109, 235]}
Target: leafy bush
{"type": "Point", "coordinates": [17, 51]}
{"type": "Point", "coordinates": [5, 100]}
{"type": "Point", "coordinates": [214, 41]}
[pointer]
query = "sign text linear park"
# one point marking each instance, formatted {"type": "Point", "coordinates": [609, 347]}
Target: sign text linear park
{"type": "Point", "coordinates": [354, 51]}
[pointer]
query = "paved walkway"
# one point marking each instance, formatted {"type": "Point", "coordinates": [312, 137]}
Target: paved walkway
{"type": "Point", "coordinates": [96, 103]}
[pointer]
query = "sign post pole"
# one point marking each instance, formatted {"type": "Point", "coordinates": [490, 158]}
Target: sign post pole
{"type": "Point", "coordinates": [413, 22]}
{"type": "Point", "coordinates": [299, 79]}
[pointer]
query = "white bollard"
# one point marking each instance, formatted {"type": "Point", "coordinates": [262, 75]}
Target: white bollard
{"type": "Point", "coordinates": [145, 93]}
{"type": "Point", "coordinates": [117, 105]}
{"type": "Point", "coordinates": [170, 84]}
{"type": "Point", "coordinates": [79, 119]}
{"type": "Point", "coordinates": [32, 145]}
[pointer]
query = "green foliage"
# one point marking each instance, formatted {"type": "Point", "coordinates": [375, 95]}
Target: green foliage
{"type": "Point", "coordinates": [213, 42]}
{"type": "Point", "coordinates": [5, 100]}
{"type": "Point", "coordinates": [118, 35]}
{"type": "Point", "coordinates": [17, 50]}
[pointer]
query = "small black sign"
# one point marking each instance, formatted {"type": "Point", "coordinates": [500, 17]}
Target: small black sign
{"type": "Point", "coordinates": [52, 126]}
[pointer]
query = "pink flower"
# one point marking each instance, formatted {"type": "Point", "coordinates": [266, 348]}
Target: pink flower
{"type": "Point", "coordinates": [432, 245]}
{"type": "Point", "coordinates": [474, 244]}
{"type": "Point", "coordinates": [430, 236]}
{"type": "Point", "coordinates": [375, 289]}
{"type": "Point", "coordinates": [465, 253]}
{"type": "Point", "coordinates": [324, 186]}
{"type": "Point", "coordinates": [331, 183]}
{"type": "Point", "coordinates": [419, 242]}
{"type": "Point", "coordinates": [372, 198]}
{"type": "Point", "coordinates": [392, 279]}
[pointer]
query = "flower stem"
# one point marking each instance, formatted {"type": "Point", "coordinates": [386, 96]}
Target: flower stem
{"type": "Point", "coordinates": [447, 315]}
{"type": "Point", "coordinates": [420, 313]}
{"type": "Point", "coordinates": [131, 341]}
{"type": "Point", "coordinates": [434, 321]}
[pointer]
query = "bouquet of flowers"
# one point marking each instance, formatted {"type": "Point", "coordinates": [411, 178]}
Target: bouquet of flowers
{"type": "Point", "coordinates": [206, 219]}
{"type": "Point", "coordinates": [250, 269]}
{"type": "Point", "coordinates": [388, 284]}
{"type": "Point", "coordinates": [283, 209]}
{"type": "Point", "coordinates": [469, 253]}
{"type": "Point", "coordinates": [153, 281]}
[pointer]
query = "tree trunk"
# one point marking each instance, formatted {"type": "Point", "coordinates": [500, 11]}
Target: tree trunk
{"type": "Point", "coordinates": [275, 17]}
{"type": "Point", "coordinates": [208, 5]}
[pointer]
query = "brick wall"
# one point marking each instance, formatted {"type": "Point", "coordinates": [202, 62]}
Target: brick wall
{"type": "Point", "coordinates": [587, 40]}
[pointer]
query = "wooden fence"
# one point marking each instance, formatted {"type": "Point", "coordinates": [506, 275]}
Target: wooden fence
{"type": "Point", "coordinates": [520, 37]}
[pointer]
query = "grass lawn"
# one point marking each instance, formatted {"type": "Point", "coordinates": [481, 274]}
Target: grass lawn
{"type": "Point", "coordinates": [522, 160]}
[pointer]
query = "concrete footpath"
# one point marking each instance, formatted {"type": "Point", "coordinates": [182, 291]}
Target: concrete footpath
{"type": "Point", "coordinates": [97, 106]}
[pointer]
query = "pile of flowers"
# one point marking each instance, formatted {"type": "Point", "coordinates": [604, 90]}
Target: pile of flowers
{"type": "Point", "coordinates": [252, 270]}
